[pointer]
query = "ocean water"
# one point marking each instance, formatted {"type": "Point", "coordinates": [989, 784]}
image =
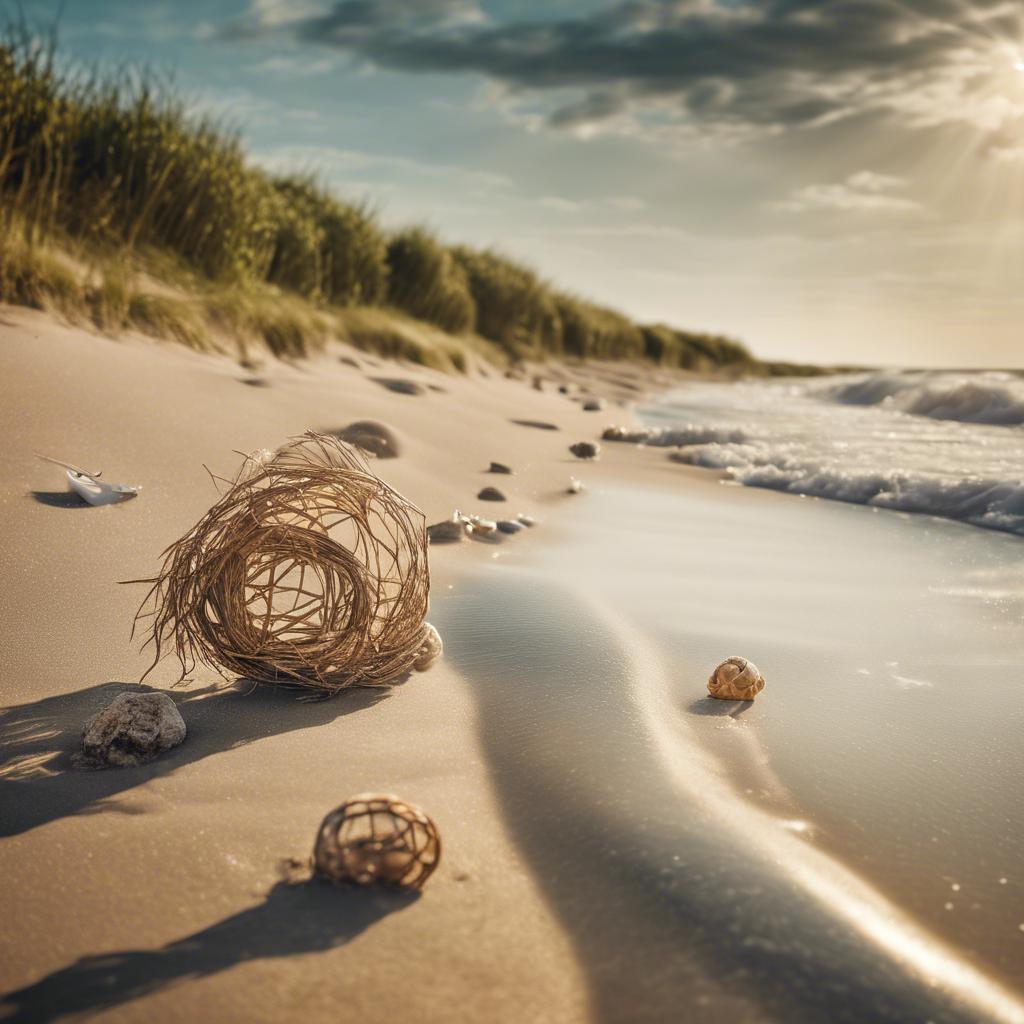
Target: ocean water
{"type": "Point", "coordinates": [939, 443]}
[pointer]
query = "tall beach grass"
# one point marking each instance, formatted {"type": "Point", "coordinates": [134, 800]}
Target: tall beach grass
{"type": "Point", "coordinates": [103, 175]}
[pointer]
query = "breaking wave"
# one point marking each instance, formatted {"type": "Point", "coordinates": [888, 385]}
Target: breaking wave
{"type": "Point", "coordinates": [942, 444]}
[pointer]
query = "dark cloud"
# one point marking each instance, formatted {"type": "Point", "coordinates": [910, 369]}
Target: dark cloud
{"type": "Point", "coordinates": [728, 66]}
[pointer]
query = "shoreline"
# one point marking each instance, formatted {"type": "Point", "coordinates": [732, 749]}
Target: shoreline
{"type": "Point", "coordinates": [175, 864]}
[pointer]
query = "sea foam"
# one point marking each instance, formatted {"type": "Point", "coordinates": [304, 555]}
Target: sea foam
{"type": "Point", "coordinates": [943, 444]}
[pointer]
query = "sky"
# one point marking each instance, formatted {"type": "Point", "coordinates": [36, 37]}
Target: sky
{"type": "Point", "coordinates": [832, 181]}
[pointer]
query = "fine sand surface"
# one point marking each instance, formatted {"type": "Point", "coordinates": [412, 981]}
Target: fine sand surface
{"type": "Point", "coordinates": [615, 849]}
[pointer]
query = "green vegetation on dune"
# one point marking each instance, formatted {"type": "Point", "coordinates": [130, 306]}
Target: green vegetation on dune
{"type": "Point", "coordinates": [121, 206]}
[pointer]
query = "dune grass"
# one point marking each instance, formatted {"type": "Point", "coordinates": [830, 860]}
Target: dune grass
{"type": "Point", "coordinates": [181, 236]}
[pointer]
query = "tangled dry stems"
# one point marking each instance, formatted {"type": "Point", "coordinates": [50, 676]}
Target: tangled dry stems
{"type": "Point", "coordinates": [309, 571]}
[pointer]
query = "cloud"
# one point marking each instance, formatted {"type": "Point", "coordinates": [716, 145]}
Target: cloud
{"type": "Point", "coordinates": [863, 192]}
{"type": "Point", "coordinates": [730, 69]}
{"type": "Point", "coordinates": [623, 204]}
{"type": "Point", "coordinates": [294, 66]}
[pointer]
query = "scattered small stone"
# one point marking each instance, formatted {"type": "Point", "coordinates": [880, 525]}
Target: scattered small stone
{"type": "Point", "coordinates": [372, 437]}
{"type": "Point", "coordinates": [491, 494]}
{"type": "Point", "coordinates": [449, 531]}
{"type": "Point", "coordinates": [585, 449]}
{"type": "Point", "coordinates": [401, 386]}
{"type": "Point", "coordinates": [133, 728]}
{"type": "Point", "coordinates": [499, 467]}
{"type": "Point", "coordinates": [510, 525]}
{"type": "Point", "coordinates": [593, 405]}
{"type": "Point", "coordinates": [575, 486]}
{"type": "Point", "coordinates": [526, 520]}
{"type": "Point", "coordinates": [563, 389]}
{"type": "Point", "coordinates": [536, 424]}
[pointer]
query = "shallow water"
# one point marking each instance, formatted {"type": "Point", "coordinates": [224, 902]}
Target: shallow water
{"type": "Point", "coordinates": [711, 856]}
{"type": "Point", "coordinates": [945, 444]}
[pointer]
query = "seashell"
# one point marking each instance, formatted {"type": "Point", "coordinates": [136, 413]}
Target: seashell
{"type": "Point", "coordinates": [376, 838]}
{"type": "Point", "coordinates": [485, 527]}
{"type": "Point", "coordinates": [736, 679]}
{"type": "Point", "coordinates": [430, 649]}
{"type": "Point", "coordinates": [575, 486]}
{"type": "Point", "coordinates": [526, 520]}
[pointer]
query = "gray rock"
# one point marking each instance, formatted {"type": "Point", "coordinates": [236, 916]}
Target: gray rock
{"type": "Point", "coordinates": [499, 467]}
{"type": "Point", "coordinates": [585, 449]}
{"type": "Point", "coordinates": [447, 532]}
{"type": "Point", "coordinates": [133, 728]}
{"type": "Point", "coordinates": [491, 494]}
{"type": "Point", "coordinates": [510, 526]}
{"type": "Point", "coordinates": [373, 437]}
{"type": "Point", "coordinates": [593, 405]}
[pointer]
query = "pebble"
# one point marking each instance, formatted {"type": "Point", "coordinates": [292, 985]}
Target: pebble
{"type": "Point", "coordinates": [491, 494]}
{"type": "Point", "coordinates": [133, 728]}
{"type": "Point", "coordinates": [585, 449]}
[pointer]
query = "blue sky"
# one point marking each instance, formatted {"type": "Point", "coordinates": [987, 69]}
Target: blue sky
{"type": "Point", "coordinates": [838, 180]}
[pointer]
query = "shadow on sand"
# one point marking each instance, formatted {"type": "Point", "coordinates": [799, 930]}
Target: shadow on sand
{"type": "Point", "coordinates": [39, 782]}
{"type": "Point", "coordinates": [712, 707]}
{"type": "Point", "coordinates": [59, 499]}
{"type": "Point", "coordinates": [294, 919]}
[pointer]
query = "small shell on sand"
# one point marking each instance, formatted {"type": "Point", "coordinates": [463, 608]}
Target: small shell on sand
{"type": "Point", "coordinates": [499, 467]}
{"type": "Point", "coordinates": [430, 650]}
{"type": "Point", "coordinates": [491, 494]}
{"type": "Point", "coordinates": [132, 729]}
{"type": "Point", "coordinates": [509, 526]}
{"type": "Point", "coordinates": [484, 527]}
{"type": "Point", "coordinates": [736, 679]}
{"type": "Point", "coordinates": [526, 520]}
{"type": "Point", "coordinates": [585, 449]}
{"type": "Point", "coordinates": [575, 486]}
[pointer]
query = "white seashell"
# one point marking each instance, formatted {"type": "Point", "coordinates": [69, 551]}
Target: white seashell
{"type": "Point", "coordinates": [575, 486]}
{"type": "Point", "coordinates": [430, 649]}
{"type": "Point", "coordinates": [736, 679]}
{"type": "Point", "coordinates": [485, 527]}
{"type": "Point", "coordinates": [96, 492]}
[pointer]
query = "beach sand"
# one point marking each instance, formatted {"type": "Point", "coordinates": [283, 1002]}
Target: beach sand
{"type": "Point", "coordinates": [611, 852]}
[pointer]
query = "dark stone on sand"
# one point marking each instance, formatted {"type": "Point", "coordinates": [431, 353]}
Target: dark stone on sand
{"type": "Point", "coordinates": [593, 405]}
{"type": "Point", "coordinates": [401, 386]}
{"type": "Point", "coordinates": [446, 532]}
{"type": "Point", "coordinates": [499, 467]}
{"type": "Point", "coordinates": [491, 494]}
{"type": "Point", "coordinates": [510, 526]}
{"type": "Point", "coordinates": [563, 389]}
{"type": "Point", "coordinates": [132, 729]}
{"type": "Point", "coordinates": [371, 436]}
{"type": "Point", "coordinates": [585, 449]}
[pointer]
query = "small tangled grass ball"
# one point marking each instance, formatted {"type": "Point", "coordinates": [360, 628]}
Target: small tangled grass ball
{"type": "Point", "coordinates": [377, 838]}
{"type": "Point", "coordinates": [309, 571]}
{"type": "Point", "coordinates": [736, 679]}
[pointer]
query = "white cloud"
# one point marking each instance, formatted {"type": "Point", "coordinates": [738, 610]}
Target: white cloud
{"type": "Point", "coordinates": [862, 192]}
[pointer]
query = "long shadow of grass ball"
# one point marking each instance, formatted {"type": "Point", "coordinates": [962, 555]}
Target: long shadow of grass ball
{"type": "Point", "coordinates": [377, 838]}
{"type": "Point", "coordinates": [309, 571]}
{"type": "Point", "coordinates": [736, 679]}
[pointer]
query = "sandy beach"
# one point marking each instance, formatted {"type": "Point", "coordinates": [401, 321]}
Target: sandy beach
{"type": "Point", "coordinates": [616, 848]}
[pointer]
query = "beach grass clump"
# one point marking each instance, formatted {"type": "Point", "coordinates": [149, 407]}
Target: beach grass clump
{"type": "Point", "coordinates": [595, 332]}
{"type": "Point", "coordinates": [427, 282]}
{"type": "Point", "coordinates": [514, 307]}
{"type": "Point", "coordinates": [119, 169]}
